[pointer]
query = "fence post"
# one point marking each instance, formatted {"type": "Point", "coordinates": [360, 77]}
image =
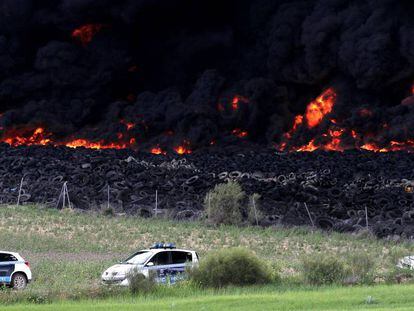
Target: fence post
{"type": "Point", "coordinates": [156, 203]}
{"type": "Point", "coordinates": [255, 213]}
{"type": "Point", "coordinates": [107, 198]}
{"type": "Point", "coordinates": [310, 217]}
{"type": "Point", "coordinates": [20, 191]}
{"type": "Point", "coordinates": [67, 194]}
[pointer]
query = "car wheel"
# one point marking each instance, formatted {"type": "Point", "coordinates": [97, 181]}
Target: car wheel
{"type": "Point", "coordinates": [19, 281]}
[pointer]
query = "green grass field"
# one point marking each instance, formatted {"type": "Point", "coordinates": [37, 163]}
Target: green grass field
{"type": "Point", "coordinates": [68, 251]}
{"type": "Point", "coordinates": [396, 297]}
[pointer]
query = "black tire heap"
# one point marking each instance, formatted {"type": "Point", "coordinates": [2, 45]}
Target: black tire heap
{"type": "Point", "coordinates": [333, 191]}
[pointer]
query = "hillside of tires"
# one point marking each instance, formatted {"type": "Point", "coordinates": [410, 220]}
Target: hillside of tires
{"type": "Point", "coordinates": [341, 191]}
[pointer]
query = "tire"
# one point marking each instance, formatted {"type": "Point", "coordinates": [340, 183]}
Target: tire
{"type": "Point", "coordinates": [18, 281]}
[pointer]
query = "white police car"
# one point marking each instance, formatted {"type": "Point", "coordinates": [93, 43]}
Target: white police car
{"type": "Point", "coordinates": [164, 260]}
{"type": "Point", "coordinates": [14, 270]}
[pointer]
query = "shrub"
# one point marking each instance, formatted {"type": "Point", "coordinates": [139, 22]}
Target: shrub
{"type": "Point", "coordinates": [223, 204]}
{"type": "Point", "coordinates": [108, 211]}
{"type": "Point", "coordinates": [233, 266]}
{"type": "Point", "coordinates": [361, 268]}
{"type": "Point", "coordinates": [139, 284]}
{"type": "Point", "coordinates": [321, 270]}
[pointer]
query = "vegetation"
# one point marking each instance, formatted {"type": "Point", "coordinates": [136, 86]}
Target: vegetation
{"type": "Point", "coordinates": [233, 266]}
{"type": "Point", "coordinates": [395, 297]}
{"type": "Point", "coordinates": [224, 204]}
{"type": "Point", "coordinates": [322, 269]}
{"type": "Point", "coordinates": [69, 250]}
{"type": "Point", "coordinates": [139, 284]}
{"type": "Point", "coordinates": [360, 268]}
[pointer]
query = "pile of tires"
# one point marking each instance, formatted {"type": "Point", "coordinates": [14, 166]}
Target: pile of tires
{"type": "Point", "coordinates": [331, 190]}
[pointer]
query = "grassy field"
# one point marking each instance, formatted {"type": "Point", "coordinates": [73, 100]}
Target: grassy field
{"type": "Point", "coordinates": [395, 297]}
{"type": "Point", "coordinates": [68, 251]}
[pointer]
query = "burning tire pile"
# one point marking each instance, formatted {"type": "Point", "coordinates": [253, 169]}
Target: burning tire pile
{"type": "Point", "coordinates": [334, 191]}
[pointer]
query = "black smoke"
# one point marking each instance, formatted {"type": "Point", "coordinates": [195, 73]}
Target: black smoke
{"type": "Point", "coordinates": [168, 66]}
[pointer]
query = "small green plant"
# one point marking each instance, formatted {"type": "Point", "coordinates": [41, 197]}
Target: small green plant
{"type": "Point", "coordinates": [361, 268]}
{"type": "Point", "coordinates": [37, 298]}
{"type": "Point", "coordinates": [323, 269]}
{"type": "Point", "coordinates": [139, 284]}
{"type": "Point", "coordinates": [224, 204]}
{"type": "Point", "coordinates": [397, 275]}
{"type": "Point", "coordinates": [370, 300]}
{"type": "Point", "coordinates": [108, 211]}
{"type": "Point", "coordinates": [233, 266]}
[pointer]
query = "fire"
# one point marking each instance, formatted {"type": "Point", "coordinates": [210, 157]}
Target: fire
{"type": "Point", "coordinates": [181, 150]}
{"type": "Point", "coordinates": [129, 125]}
{"type": "Point", "coordinates": [239, 133]}
{"type": "Point", "coordinates": [81, 142]}
{"type": "Point", "coordinates": [24, 136]}
{"type": "Point", "coordinates": [335, 143]}
{"type": "Point", "coordinates": [237, 99]}
{"type": "Point", "coordinates": [157, 150]}
{"type": "Point", "coordinates": [393, 146]}
{"type": "Point", "coordinates": [309, 147]}
{"type": "Point", "coordinates": [85, 33]}
{"type": "Point", "coordinates": [184, 148]}
{"type": "Point", "coordinates": [320, 107]}
{"type": "Point", "coordinates": [314, 114]}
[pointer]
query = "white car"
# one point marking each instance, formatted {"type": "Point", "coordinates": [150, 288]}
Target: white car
{"type": "Point", "coordinates": [14, 270]}
{"type": "Point", "coordinates": [167, 263]}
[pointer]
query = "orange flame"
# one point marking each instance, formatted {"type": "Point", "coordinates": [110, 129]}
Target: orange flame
{"type": "Point", "coordinates": [129, 125]}
{"type": "Point", "coordinates": [239, 133]}
{"type": "Point", "coordinates": [81, 142]}
{"type": "Point", "coordinates": [237, 99]}
{"type": "Point", "coordinates": [157, 150]}
{"type": "Point", "coordinates": [309, 147]}
{"type": "Point", "coordinates": [320, 107]}
{"type": "Point", "coordinates": [85, 33]}
{"type": "Point", "coordinates": [184, 148]}
{"type": "Point", "coordinates": [18, 137]}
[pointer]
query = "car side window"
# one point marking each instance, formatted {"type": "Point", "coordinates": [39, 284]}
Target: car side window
{"type": "Point", "coordinates": [7, 257]}
{"type": "Point", "coordinates": [181, 257]}
{"type": "Point", "coordinates": [160, 259]}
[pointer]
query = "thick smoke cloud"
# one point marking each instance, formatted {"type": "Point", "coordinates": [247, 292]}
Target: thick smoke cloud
{"type": "Point", "coordinates": [174, 67]}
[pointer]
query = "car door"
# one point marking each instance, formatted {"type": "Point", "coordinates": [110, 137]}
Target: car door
{"type": "Point", "coordinates": [179, 262]}
{"type": "Point", "coordinates": [7, 266]}
{"type": "Point", "coordinates": [160, 264]}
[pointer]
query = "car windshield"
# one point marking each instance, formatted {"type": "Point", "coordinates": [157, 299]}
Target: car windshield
{"type": "Point", "coordinates": [138, 258]}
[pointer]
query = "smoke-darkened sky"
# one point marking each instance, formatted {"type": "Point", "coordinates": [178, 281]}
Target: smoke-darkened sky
{"type": "Point", "coordinates": [173, 68]}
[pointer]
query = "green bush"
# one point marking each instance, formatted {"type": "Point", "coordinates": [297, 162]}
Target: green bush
{"type": "Point", "coordinates": [321, 270]}
{"type": "Point", "coordinates": [224, 204]}
{"type": "Point", "coordinates": [108, 211]}
{"type": "Point", "coordinates": [233, 266]}
{"type": "Point", "coordinates": [361, 269]}
{"type": "Point", "coordinates": [139, 284]}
